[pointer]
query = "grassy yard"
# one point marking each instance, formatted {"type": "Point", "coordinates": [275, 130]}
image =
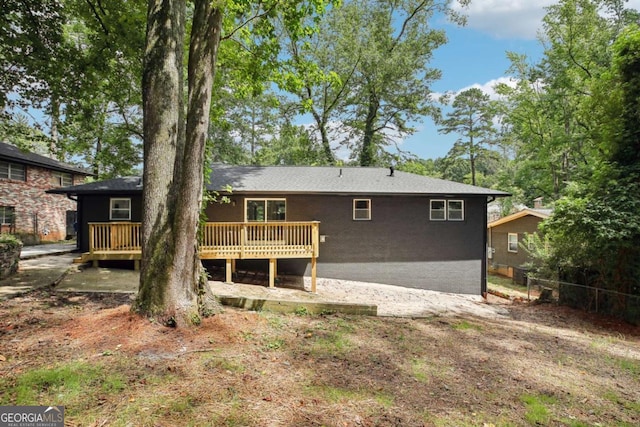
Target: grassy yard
{"type": "Point", "coordinates": [541, 365]}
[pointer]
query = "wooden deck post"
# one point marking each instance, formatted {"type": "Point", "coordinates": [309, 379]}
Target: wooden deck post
{"type": "Point", "coordinates": [314, 268]}
{"type": "Point", "coordinates": [228, 270]}
{"type": "Point", "coordinates": [272, 272]}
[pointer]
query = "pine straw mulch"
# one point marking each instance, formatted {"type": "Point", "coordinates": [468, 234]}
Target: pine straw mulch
{"type": "Point", "coordinates": [260, 369]}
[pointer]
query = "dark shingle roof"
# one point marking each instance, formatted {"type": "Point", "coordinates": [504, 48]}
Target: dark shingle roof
{"type": "Point", "coordinates": [129, 184]}
{"type": "Point", "coordinates": [12, 153]}
{"type": "Point", "coordinates": [305, 180]}
{"type": "Point", "coordinates": [347, 180]}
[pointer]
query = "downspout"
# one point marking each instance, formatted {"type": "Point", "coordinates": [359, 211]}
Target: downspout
{"type": "Point", "coordinates": [78, 233]}
{"type": "Point", "coordinates": [483, 285]}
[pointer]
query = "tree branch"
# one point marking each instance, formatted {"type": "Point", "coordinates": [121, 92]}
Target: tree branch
{"type": "Point", "coordinates": [97, 15]}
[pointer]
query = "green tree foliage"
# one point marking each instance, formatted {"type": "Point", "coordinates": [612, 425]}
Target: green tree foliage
{"type": "Point", "coordinates": [366, 75]}
{"type": "Point", "coordinates": [595, 229]}
{"type": "Point", "coordinates": [472, 119]}
{"type": "Point", "coordinates": [556, 136]}
{"type": "Point", "coordinates": [79, 64]}
{"type": "Point", "coordinates": [293, 145]}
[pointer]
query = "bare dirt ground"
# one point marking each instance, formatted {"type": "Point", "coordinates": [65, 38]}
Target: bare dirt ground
{"type": "Point", "coordinates": [527, 365]}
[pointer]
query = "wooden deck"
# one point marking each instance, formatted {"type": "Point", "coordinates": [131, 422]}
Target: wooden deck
{"type": "Point", "coordinates": [219, 240]}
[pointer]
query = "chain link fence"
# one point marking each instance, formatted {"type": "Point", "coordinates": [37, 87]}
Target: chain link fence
{"type": "Point", "coordinates": [587, 298]}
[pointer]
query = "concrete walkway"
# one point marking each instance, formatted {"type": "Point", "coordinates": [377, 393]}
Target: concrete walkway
{"type": "Point", "coordinates": [56, 270]}
{"type": "Point", "coordinates": [35, 251]}
{"type": "Point", "coordinates": [37, 271]}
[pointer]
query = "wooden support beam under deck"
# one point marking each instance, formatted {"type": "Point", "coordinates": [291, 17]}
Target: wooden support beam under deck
{"type": "Point", "coordinates": [228, 269]}
{"type": "Point", "coordinates": [314, 269]}
{"type": "Point", "coordinates": [273, 267]}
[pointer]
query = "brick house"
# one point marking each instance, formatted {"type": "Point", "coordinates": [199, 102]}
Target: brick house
{"type": "Point", "coordinates": [25, 209]}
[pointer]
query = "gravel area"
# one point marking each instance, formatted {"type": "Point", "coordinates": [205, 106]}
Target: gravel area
{"type": "Point", "coordinates": [392, 301]}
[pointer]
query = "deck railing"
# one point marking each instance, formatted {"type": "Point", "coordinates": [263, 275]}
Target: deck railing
{"type": "Point", "coordinates": [220, 240]}
{"type": "Point", "coordinates": [114, 237]}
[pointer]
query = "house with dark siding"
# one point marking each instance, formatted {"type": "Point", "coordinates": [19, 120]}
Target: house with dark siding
{"type": "Point", "coordinates": [375, 224]}
{"type": "Point", "coordinates": [25, 208]}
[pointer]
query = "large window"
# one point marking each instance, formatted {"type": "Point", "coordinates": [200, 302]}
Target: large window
{"type": "Point", "coordinates": [62, 179]}
{"type": "Point", "coordinates": [12, 171]}
{"type": "Point", "coordinates": [7, 215]}
{"type": "Point", "coordinates": [265, 210]}
{"type": "Point", "coordinates": [361, 209]}
{"type": "Point", "coordinates": [512, 242]}
{"type": "Point", "coordinates": [446, 210]}
{"type": "Point", "coordinates": [120, 209]}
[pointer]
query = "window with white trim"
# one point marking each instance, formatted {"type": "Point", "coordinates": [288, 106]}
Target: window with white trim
{"type": "Point", "coordinates": [362, 209]}
{"type": "Point", "coordinates": [120, 209]}
{"type": "Point", "coordinates": [512, 242]}
{"type": "Point", "coordinates": [438, 210]}
{"type": "Point", "coordinates": [14, 171]}
{"type": "Point", "coordinates": [446, 210]}
{"type": "Point", "coordinates": [265, 210]}
{"type": "Point", "coordinates": [62, 179]}
{"type": "Point", "coordinates": [7, 215]}
{"type": "Point", "coordinates": [455, 210]}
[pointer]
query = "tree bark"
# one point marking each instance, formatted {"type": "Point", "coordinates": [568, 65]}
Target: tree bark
{"type": "Point", "coordinates": [173, 284]}
{"type": "Point", "coordinates": [205, 40]}
{"type": "Point", "coordinates": [368, 147]}
{"type": "Point", "coordinates": [164, 135]}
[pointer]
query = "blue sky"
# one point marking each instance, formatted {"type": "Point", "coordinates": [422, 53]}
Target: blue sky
{"type": "Point", "coordinates": [476, 56]}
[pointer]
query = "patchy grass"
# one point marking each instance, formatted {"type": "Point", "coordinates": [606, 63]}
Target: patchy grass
{"type": "Point", "coordinates": [545, 365]}
{"type": "Point", "coordinates": [465, 325]}
{"type": "Point", "coordinates": [537, 408]}
{"type": "Point", "coordinates": [505, 282]}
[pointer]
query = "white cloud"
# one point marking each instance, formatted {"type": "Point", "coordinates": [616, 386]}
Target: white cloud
{"type": "Point", "coordinates": [489, 87]}
{"type": "Point", "coordinates": [518, 19]}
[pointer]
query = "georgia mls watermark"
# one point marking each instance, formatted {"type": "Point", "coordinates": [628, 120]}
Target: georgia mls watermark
{"type": "Point", "coordinates": [31, 416]}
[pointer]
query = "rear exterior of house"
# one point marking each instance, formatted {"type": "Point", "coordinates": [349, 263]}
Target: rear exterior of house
{"type": "Point", "coordinates": [507, 235]}
{"type": "Point", "coordinates": [374, 225]}
{"type": "Point", "coordinates": [26, 210]}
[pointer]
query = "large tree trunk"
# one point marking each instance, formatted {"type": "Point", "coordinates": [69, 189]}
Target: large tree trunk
{"type": "Point", "coordinates": [163, 123]}
{"type": "Point", "coordinates": [367, 155]}
{"type": "Point", "coordinates": [321, 122]}
{"type": "Point", "coordinates": [205, 40]}
{"type": "Point", "coordinates": [173, 286]}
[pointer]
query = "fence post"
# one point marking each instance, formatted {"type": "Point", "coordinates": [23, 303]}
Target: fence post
{"type": "Point", "coordinates": [528, 288]}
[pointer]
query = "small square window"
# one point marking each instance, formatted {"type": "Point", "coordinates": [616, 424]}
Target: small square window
{"type": "Point", "coordinates": [361, 209]}
{"type": "Point", "coordinates": [120, 210]}
{"type": "Point", "coordinates": [455, 210]}
{"type": "Point", "coordinates": [512, 242]}
{"type": "Point", "coordinates": [62, 179]}
{"type": "Point", "coordinates": [438, 211]}
{"type": "Point", "coordinates": [7, 215]}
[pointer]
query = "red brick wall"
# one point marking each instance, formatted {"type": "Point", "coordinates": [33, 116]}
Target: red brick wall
{"type": "Point", "coordinates": [32, 204]}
